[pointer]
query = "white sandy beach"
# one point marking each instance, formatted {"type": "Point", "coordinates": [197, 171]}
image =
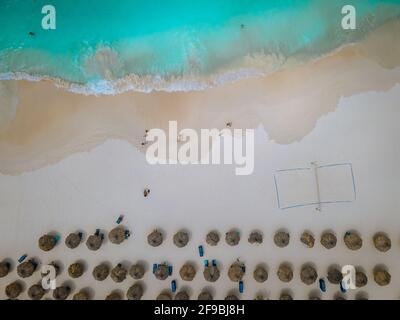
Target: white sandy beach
{"type": "Point", "coordinates": [90, 190]}
{"type": "Point", "coordinates": [71, 162]}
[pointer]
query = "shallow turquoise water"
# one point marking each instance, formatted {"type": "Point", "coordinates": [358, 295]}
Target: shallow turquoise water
{"type": "Point", "coordinates": [108, 39]}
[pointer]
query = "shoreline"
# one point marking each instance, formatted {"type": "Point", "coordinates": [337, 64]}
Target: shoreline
{"type": "Point", "coordinates": [51, 123]}
{"type": "Point", "coordinates": [250, 66]}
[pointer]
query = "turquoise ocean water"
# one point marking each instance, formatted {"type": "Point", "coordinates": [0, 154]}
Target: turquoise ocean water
{"type": "Point", "coordinates": [99, 42]}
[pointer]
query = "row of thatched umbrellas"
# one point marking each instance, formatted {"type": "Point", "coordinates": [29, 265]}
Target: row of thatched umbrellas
{"type": "Point", "coordinates": [211, 272]}
{"type": "Point", "coordinates": [187, 272]}
{"type": "Point", "coordinates": [352, 239]}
